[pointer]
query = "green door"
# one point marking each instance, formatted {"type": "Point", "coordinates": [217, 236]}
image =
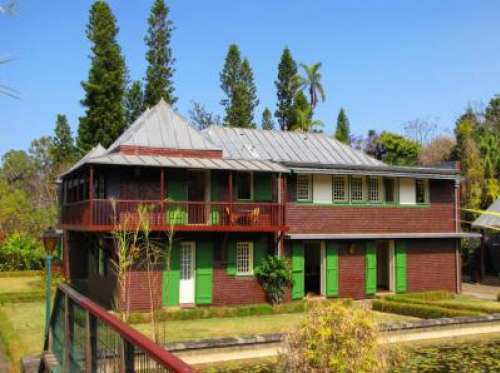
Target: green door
{"type": "Point", "coordinates": [371, 268]}
{"type": "Point", "coordinates": [400, 256]}
{"type": "Point", "coordinates": [332, 269]}
{"type": "Point", "coordinates": [171, 277]}
{"type": "Point", "coordinates": [204, 272]}
{"type": "Point", "coordinates": [298, 269]}
{"type": "Point", "coordinates": [263, 187]}
{"type": "Point", "coordinates": [177, 191]}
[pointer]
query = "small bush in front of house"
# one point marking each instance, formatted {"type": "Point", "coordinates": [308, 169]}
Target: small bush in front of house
{"type": "Point", "coordinates": [337, 338]}
{"type": "Point", "coordinates": [424, 311]}
{"type": "Point", "coordinates": [22, 296]}
{"type": "Point", "coordinates": [275, 275]}
{"type": "Point", "coordinates": [427, 296]}
{"type": "Point", "coordinates": [19, 252]}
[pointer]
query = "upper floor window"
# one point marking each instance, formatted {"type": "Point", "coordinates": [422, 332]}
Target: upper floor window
{"type": "Point", "coordinates": [304, 187]}
{"type": "Point", "coordinates": [340, 188]}
{"type": "Point", "coordinates": [244, 258]}
{"type": "Point", "coordinates": [421, 191]}
{"type": "Point", "coordinates": [373, 189]}
{"type": "Point", "coordinates": [244, 185]}
{"type": "Point", "coordinates": [389, 190]}
{"type": "Point", "coordinates": [357, 188]}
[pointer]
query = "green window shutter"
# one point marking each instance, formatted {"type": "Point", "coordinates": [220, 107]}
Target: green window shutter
{"type": "Point", "coordinates": [259, 251]}
{"type": "Point", "coordinates": [332, 269]}
{"type": "Point", "coordinates": [204, 272]}
{"type": "Point", "coordinates": [171, 278]}
{"type": "Point", "coordinates": [177, 191]}
{"type": "Point", "coordinates": [263, 186]}
{"type": "Point", "coordinates": [400, 266]}
{"type": "Point", "coordinates": [297, 270]}
{"type": "Point", "coordinates": [371, 268]}
{"type": "Point", "coordinates": [231, 258]}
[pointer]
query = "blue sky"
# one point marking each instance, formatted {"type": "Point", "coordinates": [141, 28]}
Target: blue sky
{"type": "Point", "coordinates": [385, 62]}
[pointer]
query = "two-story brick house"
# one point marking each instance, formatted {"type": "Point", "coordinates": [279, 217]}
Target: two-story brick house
{"type": "Point", "coordinates": [350, 224]}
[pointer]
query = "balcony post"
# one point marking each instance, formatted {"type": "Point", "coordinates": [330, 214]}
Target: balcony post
{"type": "Point", "coordinates": [162, 195]}
{"type": "Point", "coordinates": [230, 180]}
{"type": "Point", "coordinates": [91, 195]}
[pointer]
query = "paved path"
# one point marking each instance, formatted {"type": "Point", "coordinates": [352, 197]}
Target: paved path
{"type": "Point", "coordinates": [482, 291]}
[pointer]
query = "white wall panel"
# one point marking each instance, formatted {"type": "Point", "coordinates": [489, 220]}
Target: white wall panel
{"type": "Point", "coordinates": [322, 189]}
{"type": "Point", "coordinates": [407, 194]}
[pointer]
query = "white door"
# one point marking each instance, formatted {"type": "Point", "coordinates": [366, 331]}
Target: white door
{"type": "Point", "coordinates": [186, 291]}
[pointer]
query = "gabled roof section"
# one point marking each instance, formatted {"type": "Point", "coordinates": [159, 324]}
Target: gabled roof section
{"type": "Point", "coordinates": [161, 127]}
{"type": "Point", "coordinates": [95, 152]}
{"type": "Point", "coordinates": [286, 147]}
{"type": "Point", "coordinates": [490, 218]}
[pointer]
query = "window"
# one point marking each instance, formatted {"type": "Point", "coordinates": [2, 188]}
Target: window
{"type": "Point", "coordinates": [422, 191]}
{"type": "Point", "coordinates": [339, 188]}
{"type": "Point", "coordinates": [373, 189]}
{"type": "Point", "coordinates": [244, 185]}
{"type": "Point", "coordinates": [244, 258]}
{"type": "Point", "coordinates": [304, 187]}
{"type": "Point", "coordinates": [389, 190]}
{"type": "Point", "coordinates": [356, 188]}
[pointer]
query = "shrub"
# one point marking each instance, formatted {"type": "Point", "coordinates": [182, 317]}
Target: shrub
{"type": "Point", "coordinates": [21, 274]}
{"type": "Point", "coordinates": [275, 275]}
{"type": "Point", "coordinates": [20, 252]}
{"type": "Point", "coordinates": [334, 337]}
{"type": "Point", "coordinates": [22, 296]}
{"type": "Point", "coordinates": [423, 311]}
{"type": "Point", "coordinates": [429, 296]}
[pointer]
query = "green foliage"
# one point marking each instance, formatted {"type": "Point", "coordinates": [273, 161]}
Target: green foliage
{"type": "Point", "coordinates": [22, 296]}
{"type": "Point", "coordinates": [160, 57]}
{"type": "Point", "coordinates": [427, 296]}
{"type": "Point", "coordinates": [343, 132]}
{"type": "Point", "coordinates": [134, 102]}
{"type": "Point", "coordinates": [398, 150]}
{"type": "Point", "coordinates": [302, 114]}
{"type": "Point", "coordinates": [275, 275]}
{"type": "Point", "coordinates": [285, 90]}
{"type": "Point", "coordinates": [62, 149]}
{"type": "Point", "coordinates": [492, 113]}
{"type": "Point", "coordinates": [10, 339]}
{"type": "Point", "coordinates": [200, 118]}
{"type": "Point", "coordinates": [20, 252]}
{"type": "Point", "coordinates": [312, 82]}
{"type": "Point", "coordinates": [238, 84]}
{"type": "Point", "coordinates": [335, 337]}
{"type": "Point", "coordinates": [7, 274]}
{"type": "Point", "coordinates": [423, 311]}
{"type": "Point", "coordinates": [104, 118]}
{"type": "Point", "coordinates": [267, 120]}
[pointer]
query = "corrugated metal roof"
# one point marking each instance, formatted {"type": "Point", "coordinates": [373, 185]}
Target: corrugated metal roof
{"type": "Point", "coordinates": [284, 146]}
{"type": "Point", "coordinates": [185, 162]}
{"type": "Point", "coordinates": [489, 219]}
{"type": "Point", "coordinates": [161, 127]}
{"type": "Point", "coordinates": [96, 151]}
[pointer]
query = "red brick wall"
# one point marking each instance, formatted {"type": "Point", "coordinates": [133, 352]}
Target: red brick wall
{"type": "Point", "coordinates": [139, 298]}
{"type": "Point", "coordinates": [439, 217]}
{"type": "Point", "coordinates": [143, 150]}
{"type": "Point", "coordinates": [235, 289]}
{"type": "Point", "coordinates": [431, 265]}
{"type": "Point", "coordinates": [352, 272]}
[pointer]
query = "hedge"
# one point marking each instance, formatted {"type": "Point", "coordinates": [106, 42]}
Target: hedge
{"type": "Point", "coordinates": [21, 273]}
{"type": "Point", "coordinates": [422, 311]}
{"type": "Point", "coordinates": [22, 296]}
{"type": "Point", "coordinates": [428, 296]}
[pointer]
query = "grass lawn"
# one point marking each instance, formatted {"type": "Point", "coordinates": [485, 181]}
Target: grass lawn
{"type": "Point", "coordinates": [182, 330]}
{"type": "Point", "coordinates": [18, 284]}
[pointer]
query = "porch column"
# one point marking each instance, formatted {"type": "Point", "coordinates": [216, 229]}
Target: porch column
{"type": "Point", "coordinates": [162, 195]}
{"type": "Point", "coordinates": [91, 195]}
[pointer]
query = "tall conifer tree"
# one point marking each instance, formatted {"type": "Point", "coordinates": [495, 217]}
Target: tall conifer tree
{"type": "Point", "coordinates": [343, 131]}
{"type": "Point", "coordinates": [160, 58]}
{"type": "Point", "coordinates": [134, 102]}
{"type": "Point", "coordinates": [286, 90]}
{"type": "Point", "coordinates": [62, 148]}
{"type": "Point", "coordinates": [104, 118]}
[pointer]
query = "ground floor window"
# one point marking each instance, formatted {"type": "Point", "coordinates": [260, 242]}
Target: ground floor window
{"type": "Point", "coordinates": [244, 258]}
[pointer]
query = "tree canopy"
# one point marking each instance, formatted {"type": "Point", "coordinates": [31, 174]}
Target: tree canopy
{"type": "Point", "coordinates": [267, 120]}
{"type": "Point", "coordinates": [286, 88]}
{"type": "Point", "coordinates": [343, 131]}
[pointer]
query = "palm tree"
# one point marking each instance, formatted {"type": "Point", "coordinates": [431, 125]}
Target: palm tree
{"type": "Point", "coordinates": [312, 82]}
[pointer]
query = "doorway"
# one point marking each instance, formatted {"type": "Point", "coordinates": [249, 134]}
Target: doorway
{"type": "Point", "coordinates": [385, 266]}
{"type": "Point", "coordinates": [312, 268]}
{"type": "Point", "coordinates": [197, 192]}
{"type": "Point", "coordinates": [186, 285]}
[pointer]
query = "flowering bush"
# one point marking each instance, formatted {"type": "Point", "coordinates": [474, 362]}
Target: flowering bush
{"type": "Point", "coordinates": [20, 252]}
{"type": "Point", "coordinates": [275, 276]}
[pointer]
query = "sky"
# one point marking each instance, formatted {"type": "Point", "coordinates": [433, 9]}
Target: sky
{"type": "Point", "coordinates": [385, 62]}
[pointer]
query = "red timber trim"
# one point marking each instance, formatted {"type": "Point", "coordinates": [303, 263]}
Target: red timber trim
{"type": "Point", "coordinates": [180, 228]}
{"type": "Point", "coordinates": [190, 153]}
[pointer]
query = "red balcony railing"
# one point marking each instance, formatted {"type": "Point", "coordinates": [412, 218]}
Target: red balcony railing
{"type": "Point", "coordinates": [162, 214]}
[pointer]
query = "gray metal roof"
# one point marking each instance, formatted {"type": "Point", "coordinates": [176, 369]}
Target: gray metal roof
{"type": "Point", "coordinates": [284, 146]}
{"type": "Point", "coordinates": [188, 162]}
{"type": "Point", "coordinates": [490, 218]}
{"type": "Point", "coordinates": [96, 151]}
{"type": "Point", "coordinates": [371, 236]}
{"type": "Point", "coordinates": [161, 127]}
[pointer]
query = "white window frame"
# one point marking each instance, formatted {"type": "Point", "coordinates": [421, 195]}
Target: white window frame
{"type": "Point", "coordinates": [363, 190]}
{"type": "Point", "coordinates": [346, 188]}
{"type": "Point", "coordinates": [250, 258]}
{"type": "Point", "coordinates": [251, 186]}
{"type": "Point", "coordinates": [378, 183]}
{"type": "Point", "coordinates": [426, 191]}
{"type": "Point", "coordinates": [309, 188]}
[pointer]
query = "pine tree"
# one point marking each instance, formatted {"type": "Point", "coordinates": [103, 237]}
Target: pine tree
{"type": "Point", "coordinates": [160, 58]}
{"type": "Point", "coordinates": [285, 89]}
{"type": "Point", "coordinates": [62, 148]}
{"type": "Point", "coordinates": [342, 132]}
{"type": "Point", "coordinates": [238, 84]}
{"type": "Point", "coordinates": [267, 120]}
{"type": "Point", "coordinates": [134, 102]}
{"type": "Point", "coordinates": [104, 118]}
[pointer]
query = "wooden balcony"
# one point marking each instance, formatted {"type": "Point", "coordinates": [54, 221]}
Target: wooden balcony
{"type": "Point", "coordinates": [109, 215]}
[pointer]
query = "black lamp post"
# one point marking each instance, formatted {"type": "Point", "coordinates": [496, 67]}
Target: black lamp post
{"type": "Point", "coordinates": [50, 239]}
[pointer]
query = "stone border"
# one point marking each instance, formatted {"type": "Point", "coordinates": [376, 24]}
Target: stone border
{"type": "Point", "coordinates": [259, 339]}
